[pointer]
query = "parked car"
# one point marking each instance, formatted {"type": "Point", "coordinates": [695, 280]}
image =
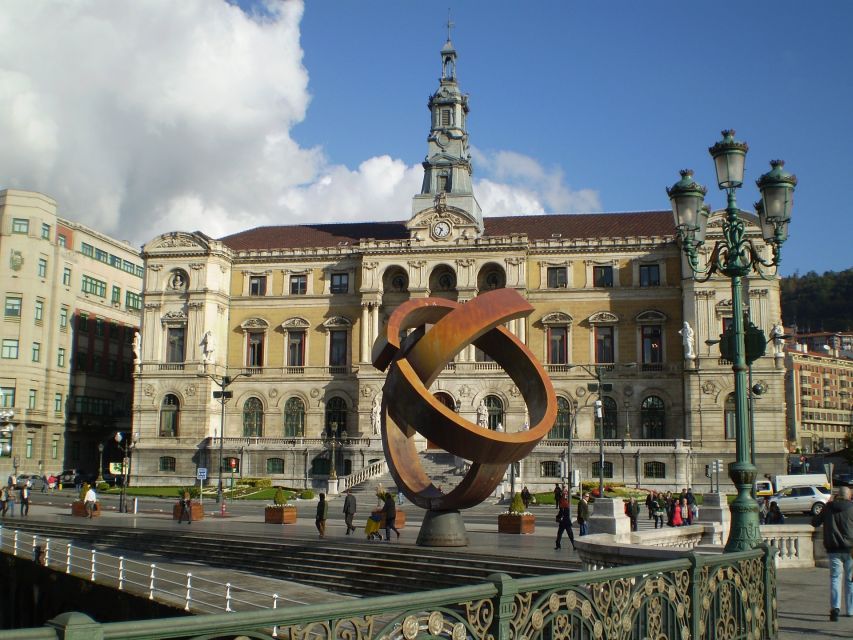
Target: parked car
{"type": "Point", "coordinates": [35, 480]}
{"type": "Point", "coordinates": [842, 479]}
{"type": "Point", "coordinates": [805, 499]}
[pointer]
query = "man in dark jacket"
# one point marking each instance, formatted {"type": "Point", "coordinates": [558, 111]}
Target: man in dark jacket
{"type": "Point", "coordinates": [349, 511]}
{"type": "Point", "coordinates": [837, 521]}
{"type": "Point", "coordinates": [583, 514]}
{"type": "Point", "coordinates": [564, 521]}
{"type": "Point", "coordinates": [389, 509]}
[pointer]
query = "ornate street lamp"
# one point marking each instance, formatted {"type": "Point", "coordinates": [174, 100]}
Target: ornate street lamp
{"type": "Point", "coordinates": [735, 257]}
{"type": "Point", "coordinates": [99, 478]}
{"type": "Point", "coordinates": [223, 382]}
{"type": "Point", "coordinates": [333, 440]}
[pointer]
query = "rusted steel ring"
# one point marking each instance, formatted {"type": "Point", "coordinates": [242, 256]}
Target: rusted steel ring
{"type": "Point", "coordinates": [409, 407]}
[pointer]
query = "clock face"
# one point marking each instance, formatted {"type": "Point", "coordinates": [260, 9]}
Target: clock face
{"type": "Point", "coordinates": [441, 229]}
{"type": "Point", "coordinates": [442, 139]}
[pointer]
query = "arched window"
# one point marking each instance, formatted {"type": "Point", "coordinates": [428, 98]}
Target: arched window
{"type": "Point", "coordinates": [170, 416]}
{"type": "Point", "coordinates": [275, 465]}
{"type": "Point", "coordinates": [294, 418]}
{"type": "Point", "coordinates": [336, 416]}
{"type": "Point", "coordinates": [253, 418]}
{"type": "Point", "coordinates": [654, 470]}
{"type": "Point", "coordinates": [563, 424]}
{"type": "Point", "coordinates": [549, 469]}
{"type": "Point", "coordinates": [496, 411]}
{"type": "Point", "coordinates": [167, 463]}
{"type": "Point", "coordinates": [608, 469]}
{"type": "Point", "coordinates": [609, 413]}
{"type": "Point", "coordinates": [729, 417]}
{"type": "Point", "coordinates": [653, 417]}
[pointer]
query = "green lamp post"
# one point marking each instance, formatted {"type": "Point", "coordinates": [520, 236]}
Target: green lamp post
{"type": "Point", "coordinates": [735, 257]}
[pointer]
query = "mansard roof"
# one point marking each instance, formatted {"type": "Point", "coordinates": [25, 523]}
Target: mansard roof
{"type": "Point", "coordinates": [536, 227]}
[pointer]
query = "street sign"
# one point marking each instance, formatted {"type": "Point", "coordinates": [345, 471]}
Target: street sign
{"type": "Point", "coordinates": [754, 341]}
{"type": "Point", "coordinates": [116, 468]}
{"type": "Point", "coordinates": [201, 473]}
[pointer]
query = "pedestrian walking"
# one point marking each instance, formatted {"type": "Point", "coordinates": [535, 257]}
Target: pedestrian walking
{"type": "Point", "coordinates": [558, 494]}
{"type": "Point", "coordinates": [349, 511]}
{"type": "Point", "coordinates": [24, 493]}
{"type": "Point", "coordinates": [90, 500]}
{"type": "Point", "coordinates": [186, 508]}
{"type": "Point", "coordinates": [659, 510]}
{"type": "Point", "coordinates": [837, 521]}
{"type": "Point", "coordinates": [44, 483]}
{"type": "Point", "coordinates": [322, 513]}
{"type": "Point", "coordinates": [632, 510]}
{"type": "Point", "coordinates": [4, 498]}
{"type": "Point", "coordinates": [526, 498]}
{"type": "Point", "coordinates": [390, 511]}
{"type": "Point", "coordinates": [564, 523]}
{"type": "Point", "coordinates": [583, 514]}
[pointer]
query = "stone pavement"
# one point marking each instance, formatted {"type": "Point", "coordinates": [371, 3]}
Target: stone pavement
{"type": "Point", "coordinates": [803, 594]}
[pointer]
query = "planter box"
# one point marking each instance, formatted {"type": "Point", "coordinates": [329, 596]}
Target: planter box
{"type": "Point", "coordinates": [516, 523]}
{"type": "Point", "coordinates": [196, 509]}
{"type": "Point", "coordinates": [280, 515]}
{"type": "Point", "coordinates": [78, 509]}
{"type": "Point", "coordinates": [399, 521]}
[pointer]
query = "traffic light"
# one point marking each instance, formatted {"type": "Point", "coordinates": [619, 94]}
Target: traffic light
{"type": "Point", "coordinates": [707, 471]}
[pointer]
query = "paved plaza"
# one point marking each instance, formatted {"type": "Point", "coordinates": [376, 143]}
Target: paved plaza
{"type": "Point", "coordinates": [803, 594]}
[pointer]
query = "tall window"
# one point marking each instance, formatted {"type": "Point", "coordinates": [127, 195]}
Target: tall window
{"type": "Point", "coordinates": [116, 295]}
{"type": "Point", "coordinates": [167, 464]}
{"type": "Point", "coordinates": [653, 418]}
{"type": "Point", "coordinates": [609, 419]}
{"type": "Point", "coordinates": [63, 318]}
{"type": "Point", "coordinates": [294, 418]}
{"type": "Point", "coordinates": [133, 301]}
{"type": "Point", "coordinates": [654, 470]}
{"type": "Point", "coordinates": [20, 225]}
{"type": "Point", "coordinates": [275, 465]}
{"type": "Point", "coordinates": [298, 285]}
{"type": "Point", "coordinates": [295, 348]}
{"type": "Point", "coordinates": [66, 276]}
{"type": "Point", "coordinates": [42, 267]}
{"type": "Point", "coordinates": [36, 351]}
{"type": "Point", "coordinates": [83, 323]}
{"type": "Point", "coordinates": [253, 418]}
{"type": "Point", "coordinates": [340, 283]}
{"type": "Point", "coordinates": [608, 469]}
{"type": "Point", "coordinates": [495, 408]}
{"type": "Point", "coordinates": [602, 276]}
{"type": "Point", "coordinates": [729, 417]}
{"type": "Point", "coordinates": [57, 403]}
{"type": "Point", "coordinates": [13, 307]}
{"type": "Point", "coordinates": [39, 311]}
{"type": "Point", "coordinates": [175, 344]}
{"type": "Point", "coordinates": [336, 416]}
{"type": "Point", "coordinates": [9, 350]}
{"type": "Point", "coordinates": [338, 348]}
{"type": "Point", "coordinates": [33, 399]}
{"type": "Point", "coordinates": [255, 349]}
{"type": "Point", "coordinates": [558, 345]}
{"type": "Point", "coordinates": [7, 397]}
{"type": "Point", "coordinates": [604, 352]}
{"type": "Point", "coordinates": [170, 417]}
{"type": "Point", "coordinates": [45, 231]}
{"type": "Point", "coordinates": [557, 277]}
{"type": "Point", "coordinates": [649, 275]}
{"type": "Point", "coordinates": [257, 285]}
{"type": "Point", "coordinates": [563, 424]}
{"type": "Point", "coordinates": [652, 344]}
{"type": "Point", "coordinates": [54, 449]}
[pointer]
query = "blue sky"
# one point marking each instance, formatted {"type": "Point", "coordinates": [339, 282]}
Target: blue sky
{"type": "Point", "coordinates": [145, 117]}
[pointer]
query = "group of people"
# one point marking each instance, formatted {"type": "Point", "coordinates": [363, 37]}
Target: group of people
{"type": "Point", "coordinates": [8, 497]}
{"type": "Point", "coordinates": [679, 510]}
{"type": "Point", "coordinates": [387, 511]}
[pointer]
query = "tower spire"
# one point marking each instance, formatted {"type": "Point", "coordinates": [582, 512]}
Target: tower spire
{"type": "Point", "coordinates": [450, 24]}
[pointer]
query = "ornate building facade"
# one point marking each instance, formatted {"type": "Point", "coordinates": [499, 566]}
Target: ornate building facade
{"type": "Point", "coordinates": [297, 310]}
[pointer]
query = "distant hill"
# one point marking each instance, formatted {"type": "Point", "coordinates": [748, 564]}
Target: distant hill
{"type": "Point", "coordinates": [816, 302]}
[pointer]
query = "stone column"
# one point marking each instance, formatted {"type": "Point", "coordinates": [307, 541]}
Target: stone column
{"type": "Point", "coordinates": [374, 322]}
{"type": "Point", "coordinates": [608, 516]}
{"type": "Point", "coordinates": [365, 337]}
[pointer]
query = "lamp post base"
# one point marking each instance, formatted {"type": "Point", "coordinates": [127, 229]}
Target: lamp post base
{"type": "Point", "coordinates": [442, 529]}
{"type": "Point", "coordinates": [744, 533]}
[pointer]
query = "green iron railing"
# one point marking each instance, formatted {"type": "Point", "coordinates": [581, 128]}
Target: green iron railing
{"type": "Point", "coordinates": [715, 597]}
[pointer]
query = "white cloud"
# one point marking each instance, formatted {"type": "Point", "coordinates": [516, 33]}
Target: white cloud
{"type": "Point", "coordinates": [144, 117]}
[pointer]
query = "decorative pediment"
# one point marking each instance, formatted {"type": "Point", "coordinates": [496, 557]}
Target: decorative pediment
{"type": "Point", "coordinates": [178, 240]}
{"type": "Point", "coordinates": [337, 322]}
{"type": "Point", "coordinates": [254, 323]}
{"type": "Point", "coordinates": [603, 317]}
{"type": "Point", "coordinates": [295, 323]}
{"type": "Point", "coordinates": [174, 317]}
{"type": "Point", "coordinates": [651, 316]}
{"type": "Point", "coordinates": [557, 318]}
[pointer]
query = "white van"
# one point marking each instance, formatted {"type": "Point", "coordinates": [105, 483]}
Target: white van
{"type": "Point", "coordinates": [776, 484]}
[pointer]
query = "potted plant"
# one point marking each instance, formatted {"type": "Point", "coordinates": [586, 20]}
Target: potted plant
{"type": "Point", "coordinates": [516, 519]}
{"type": "Point", "coordinates": [196, 508]}
{"type": "Point", "coordinates": [279, 512]}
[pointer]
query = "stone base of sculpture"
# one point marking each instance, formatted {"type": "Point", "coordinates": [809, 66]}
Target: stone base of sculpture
{"type": "Point", "coordinates": [443, 529]}
{"type": "Point", "coordinates": [608, 516]}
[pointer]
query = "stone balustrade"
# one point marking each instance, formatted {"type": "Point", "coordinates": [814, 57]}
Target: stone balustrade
{"type": "Point", "coordinates": [795, 542]}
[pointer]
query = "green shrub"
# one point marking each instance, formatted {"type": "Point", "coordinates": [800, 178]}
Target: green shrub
{"type": "Point", "coordinates": [307, 494]}
{"type": "Point", "coordinates": [192, 490]}
{"type": "Point", "coordinates": [517, 504]}
{"type": "Point", "coordinates": [279, 498]}
{"type": "Point", "coordinates": [103, 486]}
{"type": "Point", "coordinates": [259, 483]}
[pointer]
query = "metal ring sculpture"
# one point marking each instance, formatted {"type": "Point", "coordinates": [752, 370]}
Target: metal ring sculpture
{"type": "Point", "coordinates": [409, 407]}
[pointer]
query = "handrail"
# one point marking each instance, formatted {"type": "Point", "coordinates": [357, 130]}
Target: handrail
{"type": "Point", "coordinates": [363, 475]}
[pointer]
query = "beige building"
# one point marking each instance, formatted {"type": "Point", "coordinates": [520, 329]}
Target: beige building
{"type": "Point", "coordinates": [72, 300]}
{"type": "Point", "coordinates": [297, 309]}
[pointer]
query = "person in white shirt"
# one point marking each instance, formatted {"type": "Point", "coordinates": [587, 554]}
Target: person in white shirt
{"type": "Point", "coordinates": [90, 500]}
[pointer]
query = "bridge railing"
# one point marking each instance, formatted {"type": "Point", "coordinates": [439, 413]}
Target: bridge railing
{"type": "Point", "coordinates": [721, 597]}
{"type": "Point", "coordinates": [191, 592]}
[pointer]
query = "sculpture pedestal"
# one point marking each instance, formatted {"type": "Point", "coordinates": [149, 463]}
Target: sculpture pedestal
{"type": "Point", "coordinates": [443, 529]}
{"type": "Point", "coordinates": [608, 516]}
{"type": "Point", "coordinates": [715, 508]}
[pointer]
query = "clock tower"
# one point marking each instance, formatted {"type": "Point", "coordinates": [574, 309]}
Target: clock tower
{"type": "Point", "coordinates": [446, 205]}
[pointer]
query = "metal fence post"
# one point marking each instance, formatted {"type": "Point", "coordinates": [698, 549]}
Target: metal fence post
{"type": "Point", "coordinates": [47, 552]}
{"type": "Point", "coordinates": [93, 565]}
{"type": "Point", "coordinates": [695, 588]}
{"type": "Point", "coordinates": [68, 558]}
{"type": "Point", "coordinates": [151, 585]}
{"type": "Point", "coordinates": [34, 539]}
{"type": "Point", "coordinates": [503, 606]}
{"type": "Point", "coordinates": [275, 606]}
{"type": "Point", "coordinates": [15, 544]}
{"type": "Point", "coordinates": [227, 596]}
{"type": "Point", "coordinates": [120, 573]}
{"type": "Point", "coordinates": [189, 586]}
{"type": "Point", "coordinates": [771, 623]}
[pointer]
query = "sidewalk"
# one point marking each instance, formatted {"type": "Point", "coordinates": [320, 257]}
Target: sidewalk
{"type": "Point", "coordinates": [802, 594]}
